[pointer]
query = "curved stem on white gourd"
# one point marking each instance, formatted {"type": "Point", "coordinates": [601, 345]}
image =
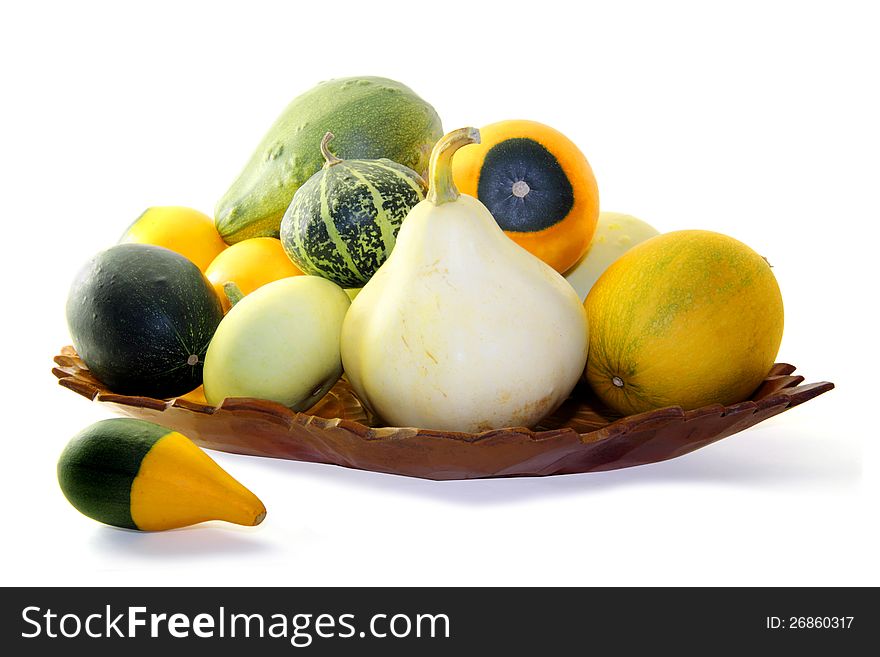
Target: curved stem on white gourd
{"type": "Point", "coordinates": [329, 158]}
{"type": "Point", "coordinates": [441, 187]}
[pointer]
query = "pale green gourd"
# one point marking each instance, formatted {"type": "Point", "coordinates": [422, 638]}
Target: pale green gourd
{"type": "Point", "coordinates": [280, 342]}
{"type": "Point", "coordinates": [461, 329]}
{"type": "Point", "coordinates": [615, 234]}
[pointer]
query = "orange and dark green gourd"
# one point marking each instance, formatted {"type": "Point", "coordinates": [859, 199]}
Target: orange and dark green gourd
{"type": "Point", "coordinates": [139, 475]}
{"type": "Point", "coordinates": [537, 184]}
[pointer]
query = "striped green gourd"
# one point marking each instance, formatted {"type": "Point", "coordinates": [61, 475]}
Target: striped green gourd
{"type": "Point", "coordinates": [342, 223]}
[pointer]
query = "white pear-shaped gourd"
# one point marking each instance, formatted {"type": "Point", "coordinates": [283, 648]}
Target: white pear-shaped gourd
{"type": "Point", "coordinates": [461, 329]}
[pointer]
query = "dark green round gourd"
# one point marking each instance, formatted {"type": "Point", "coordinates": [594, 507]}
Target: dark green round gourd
{"type": "Point", "coordinates": [343, 222]}
{"type": "Point", "coordinates": [141, 318]}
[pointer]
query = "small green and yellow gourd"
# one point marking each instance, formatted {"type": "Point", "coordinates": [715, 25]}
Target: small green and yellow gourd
{"type": "Point", "coordinates": [139, 475]}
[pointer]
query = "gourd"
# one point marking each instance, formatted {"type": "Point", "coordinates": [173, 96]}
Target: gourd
{"type": "Point", "coordinates": [688, 318]}
{"type": "Point", "coordinates": [139, 475]}
{"type": "Point", "coordinates": [461, 329]}
{"type": "Point", "coordinates": [141, 318]}
{"type": "Point", "coordinates": [371, 117]}
{"type": "Point", "coordinates": [537, 184]}
{"type": "Point", "coordinates": [250, 264]}
{"type": "Point", "coordinates": [183, 230]}
{"type": "Point", "coordinates": [616, 234]}
{"type": "Point", "coordinates": [280, 342]}
{"type": "Point", "coordinates": [343, 222]}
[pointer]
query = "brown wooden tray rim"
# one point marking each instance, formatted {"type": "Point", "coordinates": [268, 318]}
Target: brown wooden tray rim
{"type": "Point", "coordinates": [339, 430]}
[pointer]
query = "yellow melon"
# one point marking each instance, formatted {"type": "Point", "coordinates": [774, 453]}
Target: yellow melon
{"type": "Point", "coordinates": [688, 318]}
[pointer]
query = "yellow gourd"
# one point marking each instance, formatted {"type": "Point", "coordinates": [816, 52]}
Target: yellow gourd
{"type": "Point", "coordinates": [250, 264]}
{"type": "Point", "coordinates": [687, 318]}
{"type": "Point", "coordinates": [183, 230]}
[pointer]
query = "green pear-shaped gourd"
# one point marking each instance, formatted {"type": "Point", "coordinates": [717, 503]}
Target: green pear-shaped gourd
{"type": "Point", "coordinates": [461, 329]}
{"type": "Point", "coordinates": [371, 117]}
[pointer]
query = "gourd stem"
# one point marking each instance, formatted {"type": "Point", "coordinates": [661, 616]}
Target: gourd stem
{"type": "Point", "coordinates": [233, 293]}
{"type": "Point", "coordinates": [441, 187]}
{"type": "Point", "coordinates": [329, 158]}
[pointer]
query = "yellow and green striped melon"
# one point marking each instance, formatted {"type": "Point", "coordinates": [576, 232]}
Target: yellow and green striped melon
{"type": "Point", "coordinates": [689, 318]}
{"type": "Point", "coordinates": [342, 223]}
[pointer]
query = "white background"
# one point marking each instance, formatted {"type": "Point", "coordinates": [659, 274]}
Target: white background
{"type": "Point", "coordinates": [759, 120]}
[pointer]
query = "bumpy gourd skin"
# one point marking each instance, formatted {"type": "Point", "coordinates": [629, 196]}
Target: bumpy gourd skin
{"type": "Point", "coordinates": [461, 329]}
{"type": "Point", "coordinates": [371, 117]}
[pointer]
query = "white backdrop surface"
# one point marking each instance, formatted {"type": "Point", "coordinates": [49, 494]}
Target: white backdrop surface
{"type": "Point", "coordinates": [756, 119]}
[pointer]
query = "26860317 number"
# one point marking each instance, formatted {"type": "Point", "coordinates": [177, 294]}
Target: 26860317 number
{"type": "Point", "coordinates": [820, 622]}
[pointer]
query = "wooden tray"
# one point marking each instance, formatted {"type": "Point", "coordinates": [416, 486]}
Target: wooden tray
{"type": "Point", "coordinates": [582, 436]}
